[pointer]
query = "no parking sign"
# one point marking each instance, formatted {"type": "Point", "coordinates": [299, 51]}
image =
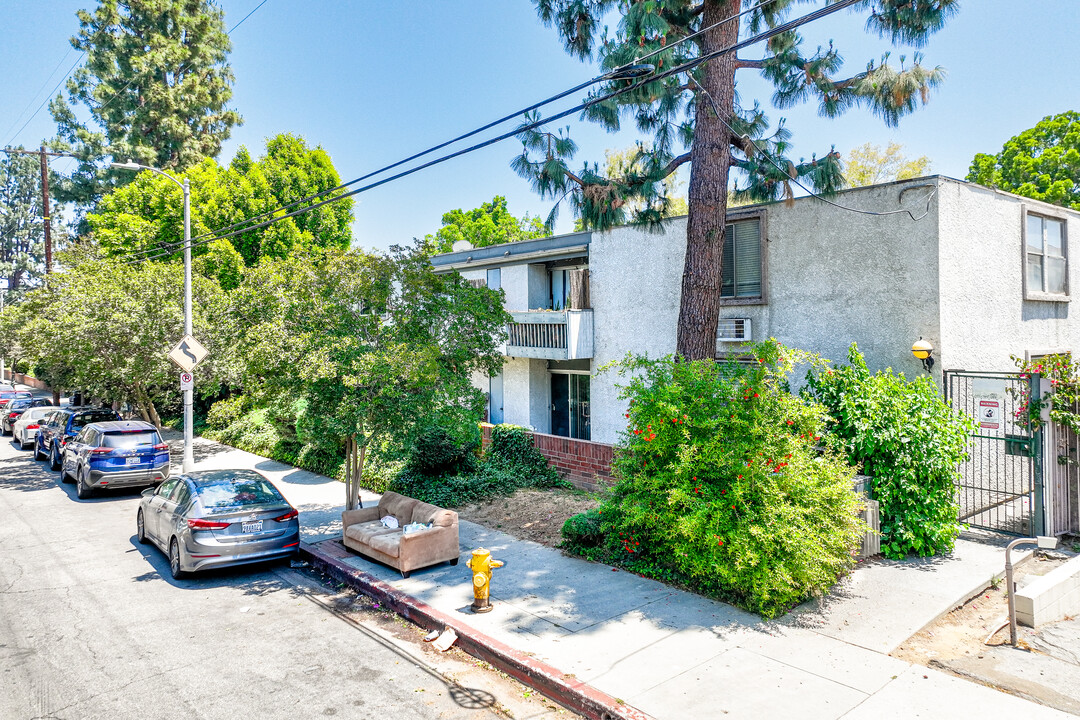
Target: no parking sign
{"type": "Point", "coordinates": [187, 381]}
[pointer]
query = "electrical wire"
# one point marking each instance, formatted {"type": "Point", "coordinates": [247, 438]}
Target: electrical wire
{"type": "Point", "coordinates": [608, 75]}
{"type": "Point", "coordinates": [809, 191]}
{"type": "Point", "coordinates": [38, 91]}
{"type": "Point", "coordinates": [687, 66]}
{"type": "Point", "coordinates": [45, 101]}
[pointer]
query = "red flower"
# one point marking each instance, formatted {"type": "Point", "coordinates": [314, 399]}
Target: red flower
{"type": "Point", "coordinates": [732, 507]}
{"type": "Point", "coordinates": [720, 542]}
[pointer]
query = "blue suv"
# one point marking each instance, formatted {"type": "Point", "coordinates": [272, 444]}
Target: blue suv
{"type": "Point", "coordinates": [122, 453]}
{"type": "Point", "coordinates": [60, 427]}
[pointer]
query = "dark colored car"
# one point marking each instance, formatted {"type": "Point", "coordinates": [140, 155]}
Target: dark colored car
{"type": "Point", "coordinates": [214, 518]}
{"type": "Point", "coordinates": [15, 408]}
{"type": "Point", "coordinates": [61, 426]}
{"type": "Point", "coordinates": [6, 396]}
{"type": "Point", "coordinates": [114, 454]}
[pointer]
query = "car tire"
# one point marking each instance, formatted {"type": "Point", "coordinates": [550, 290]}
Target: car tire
{"type": "Point", "coordinates": [38, 455]}
{"type": "Point", "coordinates": [82, 490]}
{"type": "Point", "coordinates": [174, 560]}
{"type": "Point", "coordinates": [54, 460]}
{"type": "Point", "coordinates": [22, 443]}
{"type": "Point", "coordinates": [140, 528]}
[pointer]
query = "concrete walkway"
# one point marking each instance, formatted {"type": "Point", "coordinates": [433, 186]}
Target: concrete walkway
{"type": "Point", "coordinates": [673, 654]}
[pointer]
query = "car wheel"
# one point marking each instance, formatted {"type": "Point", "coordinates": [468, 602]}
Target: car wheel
{"type": "Point", "coordinates": [54, 460]}
{"type": "Point", "coordinates": [38, 455]}
{"type": "Point", "coordinates": [82, 490]}
{"type": "Point", "coordinates": [174, 560]}
{"type": "Point", "coordinates": [22, 443]}
{"type": "Point", "coordinates": [140, 528]}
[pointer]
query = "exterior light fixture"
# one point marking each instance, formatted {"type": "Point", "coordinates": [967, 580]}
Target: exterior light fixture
{"type": "Point", "coordinates": [631, 72]}
{"type": "Point", "coordinates": [924, 351]}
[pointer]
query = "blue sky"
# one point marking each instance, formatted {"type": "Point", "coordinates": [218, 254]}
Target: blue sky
{"type": "Point", "coordinates": [374, 82]}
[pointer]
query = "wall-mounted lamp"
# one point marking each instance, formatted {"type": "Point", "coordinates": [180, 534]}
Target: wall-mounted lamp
{"type": "Point", "coordinates": [925, 352]}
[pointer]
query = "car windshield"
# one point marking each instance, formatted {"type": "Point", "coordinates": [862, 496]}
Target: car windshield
{"type": "Point", "coordinates": [128, 440]}
{"type": "Point", "coordinates": [228, 493]}
{"type": "Point", "coordinates": [86, 418]}
{"type": "Point", "coordinates": [18, 404]}
{"type": "Point", "coordinates": [36, 413]}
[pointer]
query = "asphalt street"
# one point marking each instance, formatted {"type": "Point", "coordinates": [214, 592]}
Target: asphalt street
{"type": "Point", "coordinates": [93, 626]}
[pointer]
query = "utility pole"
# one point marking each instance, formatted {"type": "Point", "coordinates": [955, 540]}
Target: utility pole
{"type": "Point", "coordinates": [46, 210]}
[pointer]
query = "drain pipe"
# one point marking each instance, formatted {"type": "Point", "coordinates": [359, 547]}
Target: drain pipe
{"type": "Point", "coordinates": [1044, 543]}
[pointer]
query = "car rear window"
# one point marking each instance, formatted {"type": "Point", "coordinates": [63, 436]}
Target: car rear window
{"type": "Point", "coordinates": [230, 493]}
{"type": "Point", "coordinates": [90, 417]}
{"type": "Point", "coordinates": [128, 440]}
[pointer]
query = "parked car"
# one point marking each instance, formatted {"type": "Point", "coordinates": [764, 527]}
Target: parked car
{"type": "Point", "coordinates": [216, 518]}
{"type": "Point", "coordinates": [61, 426]}
{"type": "Point", "coordinates": [7, 396]}
{"type": "Point", "coordinates": [114, 454]}
{"type": "Point", "coordinates": [26, 427]}
{"type": "Point", "coordinates": [16, 407]}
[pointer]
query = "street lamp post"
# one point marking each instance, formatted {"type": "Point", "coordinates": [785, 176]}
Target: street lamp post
{"type": "Point", "coordinates": [189, 459]}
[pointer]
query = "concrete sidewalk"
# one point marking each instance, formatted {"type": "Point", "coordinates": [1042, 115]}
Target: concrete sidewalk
{"type": "Point", "coordinates": [669, 653]}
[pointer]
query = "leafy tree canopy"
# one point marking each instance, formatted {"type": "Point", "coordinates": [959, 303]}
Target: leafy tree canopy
{"type": "Point", "coordinates": [1042, 163]}
{"type": "Point", "coordinates": [148, 213]}
{"type": "Point", "coordinates": [869, 165]}
{"type": "Point", "coordinates": [154, 89]}
{"type": "Point", "coordinates": [22, 228]}
{"type": "Point", "coordinates": [489, 224]}
{"type": "Point", "coordinates": [696, 117]}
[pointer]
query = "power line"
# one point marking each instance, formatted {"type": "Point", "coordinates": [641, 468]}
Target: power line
{"type": "Point", "coordinates": [46, 100]}
{"type": "Point", "coordinates": [612, 74]}
{"type": "Point", "coordinates": [689, 65]}
{"type": "Point", "coordinates": [38, 91]}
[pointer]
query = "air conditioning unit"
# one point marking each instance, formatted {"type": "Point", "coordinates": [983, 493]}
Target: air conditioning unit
{"type": "Point", "coordinates": [734, 330]}
{"type": "Point", "coordinates": [478, 282]}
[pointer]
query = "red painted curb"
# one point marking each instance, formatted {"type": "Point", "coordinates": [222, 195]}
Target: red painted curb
{"type": "Point", "coordinates": [553, 683]}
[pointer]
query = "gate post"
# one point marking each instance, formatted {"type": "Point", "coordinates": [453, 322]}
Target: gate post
{"type": "Point", "coordinates": [1038, 505]}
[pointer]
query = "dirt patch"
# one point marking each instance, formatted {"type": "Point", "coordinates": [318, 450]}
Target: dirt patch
{"type": "Point", "coordinates": [536, 515]}
{"type": "Point", "coordinates": [961, 633]}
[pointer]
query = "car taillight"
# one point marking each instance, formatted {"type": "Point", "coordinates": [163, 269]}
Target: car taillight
{"type": "Point", "coordinates": [287, 516]}
{"type": "Point", "coordinates": [12, 415]}
{"type": "Point", "coordinates": [101, 450]}
{"type": "Point", "coordinates": [162, 446]}
{"type": "Point", "coordinates": [200, 524]}
{"type": "Point", "coordinates": [32, 426]}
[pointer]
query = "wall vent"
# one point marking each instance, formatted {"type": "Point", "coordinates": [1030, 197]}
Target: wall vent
{"type": "Point", "coordinates": [734, 330]}
{"type": "Point", "coordinates": [478, 282]}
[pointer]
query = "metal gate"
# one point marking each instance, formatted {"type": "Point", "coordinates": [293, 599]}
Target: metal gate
{"type": "Point", "coordinates": [1000, 486]}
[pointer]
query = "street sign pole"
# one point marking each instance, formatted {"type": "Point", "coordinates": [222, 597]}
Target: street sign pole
{"type": "Point", "coordinates": [189, 457]}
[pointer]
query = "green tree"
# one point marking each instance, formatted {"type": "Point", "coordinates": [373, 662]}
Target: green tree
{"type": "Point", "coordinates": [22, 227]}
{"type": "Point", "coordinates": [371, 346]}
{"type": "Point", "coordinates": [154, 89]}
{"type": "Point", "coordinates": [695, 117]}
{"type": "Point", "coordinates": [869, 165]}
{"type": "Point", "coordinates": [1042, 163]}
{"type": "Point", "coordinates": [148, 213]}
{"type": "Point", "coordinates": [628, 162]}
{"type": "Point", "coordinates": [489, 224]}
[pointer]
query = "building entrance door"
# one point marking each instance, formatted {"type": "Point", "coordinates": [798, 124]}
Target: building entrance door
{"type": "Point", "coordinates": [495, 400]}
{"type": "Point", "coordinates": [570, 406]}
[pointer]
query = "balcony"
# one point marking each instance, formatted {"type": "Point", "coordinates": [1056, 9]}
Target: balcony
{"type": "Point", "coordinates": [551, 335]}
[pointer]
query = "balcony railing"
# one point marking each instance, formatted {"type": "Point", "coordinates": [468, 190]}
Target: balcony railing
{"type": "Point", "coordinates": [559, 335]}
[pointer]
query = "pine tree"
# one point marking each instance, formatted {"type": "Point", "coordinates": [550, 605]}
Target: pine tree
{"type": "Point", "coordinates": [695, 117]}
{"type": "Point", "coordinates": [155, 86]}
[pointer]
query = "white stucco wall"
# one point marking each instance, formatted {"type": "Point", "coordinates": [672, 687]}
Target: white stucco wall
{"type": "Point", "coordinates": [984, 316]}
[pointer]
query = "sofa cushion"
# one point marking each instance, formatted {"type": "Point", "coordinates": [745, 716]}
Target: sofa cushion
{"type": "Point", "coordinates": [364, 532]}
{"type": "Point", "coordinates": [399, 506]}
{"type": "Point", "coordinates": [388, 543]}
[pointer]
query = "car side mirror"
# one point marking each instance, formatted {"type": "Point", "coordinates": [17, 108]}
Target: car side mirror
{"type": "Point", "coordinates": [149, 491]}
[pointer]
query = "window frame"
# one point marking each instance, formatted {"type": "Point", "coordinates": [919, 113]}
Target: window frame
{"type": "Point", "coordinates": [1045, 214]}
{"type": "Point", "coordinates": [763, 237]}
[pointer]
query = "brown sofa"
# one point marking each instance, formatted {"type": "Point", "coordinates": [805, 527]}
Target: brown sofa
{"type": "Point", "coordinates": [363, 531]}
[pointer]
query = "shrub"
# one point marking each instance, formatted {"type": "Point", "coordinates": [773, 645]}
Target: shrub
{"type": "Point", "coordinates": [437, 452]}
{"type": "Point", "coordinates": [720, 488]}
{"type": "Point", "coordinates": [908, 440]}
{"type": "Point", "coordinates": [512, 450]}
{"type": "Point", "coordinates": [225, 412]}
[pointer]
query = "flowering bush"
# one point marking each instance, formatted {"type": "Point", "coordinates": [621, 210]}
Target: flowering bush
{"type": "Point", "coordinates": [908, 439]}
{"type": "Point", "coordinates": [720, 488]}
{"type": "Point", "coordinates": [1063, 398]}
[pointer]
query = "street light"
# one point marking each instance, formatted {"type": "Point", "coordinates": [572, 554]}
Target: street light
{"type": "Point", "coordinates": [189, 459]}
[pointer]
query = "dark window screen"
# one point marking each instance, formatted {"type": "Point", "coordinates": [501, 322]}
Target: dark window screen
{"type": "Point", "coordinates": [130, 440]}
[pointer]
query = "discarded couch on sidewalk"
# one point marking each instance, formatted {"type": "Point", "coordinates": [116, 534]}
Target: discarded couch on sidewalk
{"type": "Point", "coordinates": [418, 535]}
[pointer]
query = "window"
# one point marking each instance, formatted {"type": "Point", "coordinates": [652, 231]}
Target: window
{"type": "Point", "coordinates": [740, 276]}
{"type": "Point", "coordinates": [1047, 264]}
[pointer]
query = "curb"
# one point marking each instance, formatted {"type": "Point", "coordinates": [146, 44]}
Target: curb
{"type": "Point", "coordinates": [553, 683]}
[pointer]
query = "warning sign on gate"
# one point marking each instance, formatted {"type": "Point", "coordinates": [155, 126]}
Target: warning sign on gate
{"type": "Point", "coordinates": [990, 417]}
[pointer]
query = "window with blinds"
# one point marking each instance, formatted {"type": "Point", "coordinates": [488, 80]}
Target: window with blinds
{"type": "Point", "coordinates": [740, 276]}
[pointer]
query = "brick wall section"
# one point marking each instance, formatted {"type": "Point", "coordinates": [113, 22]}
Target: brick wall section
{"type": "Point", "coordinates": [24, 380]}
{"type": "Point", "coordinates": [585, 464]}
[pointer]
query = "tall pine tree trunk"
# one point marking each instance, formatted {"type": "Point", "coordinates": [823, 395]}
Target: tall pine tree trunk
{"type": "Point", "coordinates": [710, 159]}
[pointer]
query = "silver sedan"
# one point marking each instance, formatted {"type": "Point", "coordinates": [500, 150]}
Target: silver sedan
{"type": "Point", "coordinates": [215, 518]}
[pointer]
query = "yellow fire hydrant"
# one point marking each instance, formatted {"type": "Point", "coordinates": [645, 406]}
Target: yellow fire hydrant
{"type": "Point", "coordinates": [481, 564]}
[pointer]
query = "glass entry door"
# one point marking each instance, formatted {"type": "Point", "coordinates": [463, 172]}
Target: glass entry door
{"type": "Point", "coordinates": [570, 405]}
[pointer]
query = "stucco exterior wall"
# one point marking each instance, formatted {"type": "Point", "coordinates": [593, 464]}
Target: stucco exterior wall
{"type": "Point", "coordinates": [515, 283]}
{"type": "Point", "coordinates": [984, 316]}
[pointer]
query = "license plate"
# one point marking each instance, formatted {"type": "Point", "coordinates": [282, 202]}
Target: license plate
{"type": "Point", "coordinates": [251, 527]}
{"type": "Point", "coordinates": [134, 460]}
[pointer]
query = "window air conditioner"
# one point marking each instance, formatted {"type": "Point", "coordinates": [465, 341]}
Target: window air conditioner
{"type": "Point", "coordinates": [734, 330]}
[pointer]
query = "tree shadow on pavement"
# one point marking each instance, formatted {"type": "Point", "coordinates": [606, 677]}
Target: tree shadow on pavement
{"type": "Point", "coordinates": [17, 474]}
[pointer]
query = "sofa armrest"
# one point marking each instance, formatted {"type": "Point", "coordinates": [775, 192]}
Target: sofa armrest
{"type": "Point", "coordinates": [359, 515]}
{"type": "Point", "coordinates": [426, 547]}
